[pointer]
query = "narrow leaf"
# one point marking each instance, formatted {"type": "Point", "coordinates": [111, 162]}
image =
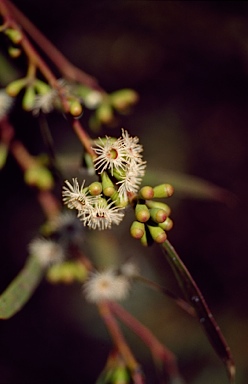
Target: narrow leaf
{"type": "Point", "coordinates": [192, 187]}
{"type": "Point", "coordinates": [21, 288]}
{"type": "Point", "coordinates": [196, 299]}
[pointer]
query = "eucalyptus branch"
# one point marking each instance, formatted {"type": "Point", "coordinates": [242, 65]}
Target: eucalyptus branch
{"type": "Point", "coordinates": [66, 68]}
{"type": "Point", "coordinates": [121, 345]}
{"type": "Point", "coordinates": [159, 351]}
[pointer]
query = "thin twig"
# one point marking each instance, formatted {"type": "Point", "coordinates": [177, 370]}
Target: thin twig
{"type": "Point", "coordinates": [159, 351]}
{"type": "Point", "coordinates": [116, 334]}
{"type": "Point", "coordinates": [66, 68]}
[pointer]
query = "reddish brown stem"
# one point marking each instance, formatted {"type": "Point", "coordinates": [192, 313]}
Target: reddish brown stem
{"type": "Point", "coordinates": [158, 350]}
{"type": "Point", "coordinates": [113, 328]}
{"type": "Point", "coordinates": [63, 64]}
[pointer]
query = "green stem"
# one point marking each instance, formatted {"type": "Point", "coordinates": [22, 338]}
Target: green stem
{"type": "Point", "coordinates": [196, 299]}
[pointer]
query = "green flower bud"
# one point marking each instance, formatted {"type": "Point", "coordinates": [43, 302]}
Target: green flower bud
{"type": "Point", "coordinates": [41, 87]}
{"type": "Point", "coordinates": [105, 113]}
{"type": "Point", "coordinates": [39, 177]}
{"type": "Point", "coordinates": [14, 35]}
{"type": "Point", "coordinates": [137, 229]}
{"type": "Point", "coordinates": [123, 98]}
{"type": "Point", "coordinates": [166, 225]}
{"type": "Point", "coordinates": [116, 198]}
{"type": "Point", "coordinates": [120, 376]}
{"type": "Point", "coordinates": [76, 108]}
{"type": "Point", "coordinates": [146, 192]}
{"type": "Point", "coordinates": [158, 204]}
{"type": "Point", "coordinates": [163, 190]}
{"type": "Point", "coordinates": [28, 99]}
{"type": "Point", "coordinates": [107, 185]}
{"type": "Point", "coordinates": [142, 213]}
{"type": "Point", "coordinates": [95, 188]}
{"type": "Point", "coordinates": [14, 52]}
{"type": "Point", "coordinates": [158, 234]}
{"type": "Point", "coordinates": [15, 87]}
{"type": "Point", "coordinates": [158, 215]}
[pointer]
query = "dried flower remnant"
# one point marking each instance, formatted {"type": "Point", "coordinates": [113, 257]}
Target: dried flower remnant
{"type": "Point", "coordinates": [106, 285]}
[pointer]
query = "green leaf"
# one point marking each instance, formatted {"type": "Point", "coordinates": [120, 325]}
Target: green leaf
{"type": "Point", "coordinates": [191, 186]}
{"type": "Point", "coordinates": [196, 299]}
{"type": "Point", "coordinates": [21, 288]}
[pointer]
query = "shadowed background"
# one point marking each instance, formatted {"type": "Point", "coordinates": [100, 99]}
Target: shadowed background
{"type": "Point", "coordinates": [188, 61]}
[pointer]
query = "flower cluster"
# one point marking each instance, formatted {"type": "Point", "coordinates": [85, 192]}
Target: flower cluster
{"type": "Point", "coordinates": [122, 159]}
{"type": "Point", "coordinates": [93, 209]}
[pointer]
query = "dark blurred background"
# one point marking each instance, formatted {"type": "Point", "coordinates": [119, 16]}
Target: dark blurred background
{"type": "Point", "coordinates": [188, 60]}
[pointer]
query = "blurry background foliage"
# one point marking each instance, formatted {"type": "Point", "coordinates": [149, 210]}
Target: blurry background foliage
{"type": "Point", "coordinates": [189, 62]}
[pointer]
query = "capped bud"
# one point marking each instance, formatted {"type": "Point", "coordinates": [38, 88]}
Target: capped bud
{"type": "Point", "coordinates": [28, 99]}
{"type": "Point", "coordinates": [107, 185]}
{"type": "Point", "coordinates": [105, 113]}
{"type": "Point", "coordinates": [146, 192]}
{"type": "Point", "coordinates": [166, 225]}
{"type": "Point", "coordinates": [163, 190]}
{"type": "Point", "coordinates": [123, 98]}
{"type": "Point", "coordinates": [158, 204]}
{"type": "Point", "coordinates": [158, 234]}
{"type": "Point", "coordinates": [14, 52]}
{"type": "Point", "coordinates": [14, 35]}
{"type": "Point", "coordinates": [40, 177]}
{"type": "Point", "coordinates": [15, 87]}
{"type": "Point", "coordinates": [142, 213]}
{"type": "Point", "coordinates": [76, 109]}
{"type": "Point", "coordinates": [137, 229]}
{"type": "Point", "coordinates": [158, 215]}
{"type": "Point", "coordinates": [95, 188]}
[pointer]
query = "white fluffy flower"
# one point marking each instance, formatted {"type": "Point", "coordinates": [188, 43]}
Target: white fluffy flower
{"type": "Point", "coordinates": [110, 154]}
{"type": "Point", "coordinates": [106, 285]}
{"type": "Point", "coordinates": [75, 196]}
{"type": "Point", "coordinates": [46, 251]}
{"type": "Point", "coordinates": [130, 181]}
{"type": "Point", "coordinates": [132, 148]}
{"type": "Point", "coordinates": [6, 103]}
{"type": "Point", "coordinates": [45, 102]}
{"type": "Point", "coordinates": [101, 215]}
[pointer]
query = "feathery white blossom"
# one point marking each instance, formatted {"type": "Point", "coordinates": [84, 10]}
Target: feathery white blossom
{"type": "Point", "coordinates": [75, 196]}
{"type": "Point", "coordinates": [101, 215]}
{"type": "Point", "coordinates": [131, 180]}
{"type": "Point", "coordinates": [111, 154]}
{"type": "Point", "coordinates": [45, 102]}
{"type": "Point", "coordinates": [46, 251]}
{"type": "Point", "coordinates": [106, 285]}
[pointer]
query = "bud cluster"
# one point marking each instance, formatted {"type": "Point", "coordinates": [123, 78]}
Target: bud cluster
{"type": "Point", "coordinates": [152, 216]}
